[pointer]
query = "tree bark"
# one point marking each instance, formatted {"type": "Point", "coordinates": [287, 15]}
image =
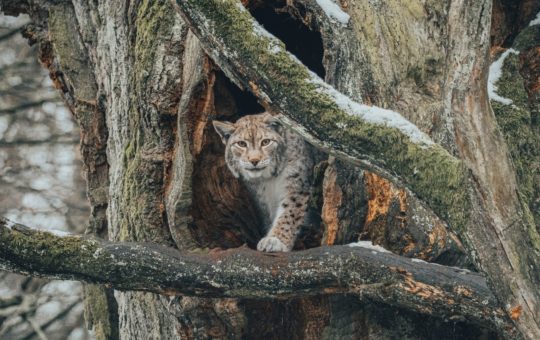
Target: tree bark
{"type": "Point", "coordinates": [143, 89]}
{"type": "Point", "coordinates": [446, 292]}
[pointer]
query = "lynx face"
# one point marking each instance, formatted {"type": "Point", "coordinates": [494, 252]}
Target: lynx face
{"type": "Point", "coordinates": [254, 146]}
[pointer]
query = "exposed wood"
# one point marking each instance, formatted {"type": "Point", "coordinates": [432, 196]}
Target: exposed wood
{"type": "Point", "coordinates": [427, 288]}
{"type": "Point", "coordinates": [405, 226]}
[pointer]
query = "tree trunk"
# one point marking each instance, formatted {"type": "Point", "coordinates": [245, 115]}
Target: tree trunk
{"type": "Point", "coordinates": [144, 91]}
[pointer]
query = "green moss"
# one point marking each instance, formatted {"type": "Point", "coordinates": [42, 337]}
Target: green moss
{"type": "Point", "coordinates": [139, 218]}
{"type": "Point", "coordinates": [70, 52]}
{"type": "Point", "coordinates": [528, 38]}
{"type": "Point", "coordinates": [61, 252]}
{"type": "Point", "coordinates": [100, 312]}
{"type": "Point", "coordinates": [516, 124]}
{"type": "Point", "coordinates": [154, 21]}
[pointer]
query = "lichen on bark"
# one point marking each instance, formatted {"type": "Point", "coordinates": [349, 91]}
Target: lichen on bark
{"type": "Point", "coordinates": [516, 123]}
{"type": "Point", "coordinates": [147, 151]}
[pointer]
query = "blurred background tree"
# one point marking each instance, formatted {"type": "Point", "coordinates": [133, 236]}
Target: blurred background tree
{"type": "Point", "coordinates": [40, 184]}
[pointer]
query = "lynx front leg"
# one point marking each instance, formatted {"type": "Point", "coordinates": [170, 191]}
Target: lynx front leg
{"type": "Point", "coordinates": [281, 236]}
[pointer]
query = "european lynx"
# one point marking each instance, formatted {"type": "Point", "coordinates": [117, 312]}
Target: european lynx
{"type": "Point", "coordinates": [276, 166]}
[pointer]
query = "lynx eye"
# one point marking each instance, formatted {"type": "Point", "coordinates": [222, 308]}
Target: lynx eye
{"type": "Point", "coordinates": [265, 142]}
{"type": "Point", "coordinates": [241, 144]}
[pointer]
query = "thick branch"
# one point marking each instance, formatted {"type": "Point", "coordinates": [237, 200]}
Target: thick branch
{"type": "Point", "coordinates": [379, 140]}
{"type": "Point", "coordinates": [242, 273]}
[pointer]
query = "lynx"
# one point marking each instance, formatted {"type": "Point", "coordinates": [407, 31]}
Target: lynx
{"type": "Point", "coordinates": [276, 165]}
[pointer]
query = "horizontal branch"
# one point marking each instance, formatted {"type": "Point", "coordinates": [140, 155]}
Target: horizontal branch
{"type": "Point", "coordinates": [26, 105]}
{"type": "Point", "coordinates": [377, 139]}
{"type": "Point", "coordinates": [446, 292]}
{"type": "Point", "coordinates": [53, 140]}
{"type": "Point", "coordinates": [10, 33]}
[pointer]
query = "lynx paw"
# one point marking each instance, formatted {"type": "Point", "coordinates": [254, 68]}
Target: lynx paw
{"type": "Point", "coordinates": [272, 244]}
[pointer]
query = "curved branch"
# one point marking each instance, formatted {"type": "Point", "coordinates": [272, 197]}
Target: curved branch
{"type": "Point", "coordinates": [380, 140]}
{"type": "Point", "coordinates": [447, 292]}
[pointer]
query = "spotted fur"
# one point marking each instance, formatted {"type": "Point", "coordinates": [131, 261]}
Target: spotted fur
{"type": "Point", "coordinates": [276, 166]}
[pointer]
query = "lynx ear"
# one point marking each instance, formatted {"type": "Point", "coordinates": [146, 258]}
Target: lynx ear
{"type": "Point", "coordinates": [224, 130]}
{"type": "Point", "coordinates": [273, 122]}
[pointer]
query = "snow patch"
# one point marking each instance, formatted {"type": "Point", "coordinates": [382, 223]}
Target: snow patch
{"type": "Point", "coordinates": [275, 48]}
{"type": "Point", "coordinates": [35, 201]}
{"type": "Point", "coordinates": [495, 73]}
{"type": "Point", "coordinates": [56, 288]}
{"type": "Point", "coordinates": [78, 334]}
{"type": "Point", "coordinates": [59, 233]}
{"type": "Point", "coordinates": [373, 114]}
{"type": "Point", "coordinates": [9, 224]}
{"type": "Point", "coordinates": [14, 81]}
{"type": "Point", "coordinates": [48, 310]}
{"type": "Point", "coordinates": [240, 7]}
{"type": "Point", "coordinates": [418, 261]}
{"type": "Point", "coordinates": [41, 183]}
{"type": "Point", "coordinates": [4, 124]}
{"type": "Point", "coordinates": [535, 21]}
{"type": "Point", "coordinates": [332, 10]}
{"type": "Point", "coordinates": [261, 31]}
{"type": "Point", "coordinates": [369, 245]}
{"type": "Point", "coordinates": [274, 43]}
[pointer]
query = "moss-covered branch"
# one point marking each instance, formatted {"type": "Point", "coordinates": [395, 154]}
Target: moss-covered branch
{"type": "Point", "coordinates": [242, 273]}
{"type": "Point", "coordinates": [380, 140]}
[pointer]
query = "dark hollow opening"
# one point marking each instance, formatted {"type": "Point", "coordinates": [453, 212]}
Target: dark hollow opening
{"type": "Point", "coordinates": [302, 41]}
{"type": "Point", "coordinates": [231, 102]}
{"type": "Point", "coordinates": [223, 215]}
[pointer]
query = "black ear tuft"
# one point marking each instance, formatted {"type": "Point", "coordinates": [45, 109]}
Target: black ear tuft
{"type": "Point", "coordinates": [224, 130]}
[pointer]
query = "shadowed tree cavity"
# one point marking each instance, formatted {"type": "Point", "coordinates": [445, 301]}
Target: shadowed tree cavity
{"type": "Point", "coordinates": [302, 41]}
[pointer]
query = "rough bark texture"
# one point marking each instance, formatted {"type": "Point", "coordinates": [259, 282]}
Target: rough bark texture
{"type": "Point", "coordinates": [415, 285]}
{"type": "Point", "coordinates": [144, 91]}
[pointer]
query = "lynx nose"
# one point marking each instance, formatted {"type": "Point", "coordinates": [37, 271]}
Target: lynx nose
{"type": "Point", "coordinates": [254, 157]}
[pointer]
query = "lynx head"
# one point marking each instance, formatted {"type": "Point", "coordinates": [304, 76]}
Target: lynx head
{"type": "Point", "coordinates": [254, 146]}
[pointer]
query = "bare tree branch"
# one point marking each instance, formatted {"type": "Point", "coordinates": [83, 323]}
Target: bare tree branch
{"type": "Point", "coordinates": [10, 33]}
{"type": "Point", "coordinates": [10, 301]}
{"type": "Point", "coordinates": [242, 273]}
{"type": "Point", "coordinates": [27, 105]}
{"type": "Point", "coordinates": [37, 327]}
{"type": "Point", "coordinates": [62, 139]}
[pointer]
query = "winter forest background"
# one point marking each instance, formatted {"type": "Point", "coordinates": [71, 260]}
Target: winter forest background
{"type": "Point", "coordinates": [40, 184]}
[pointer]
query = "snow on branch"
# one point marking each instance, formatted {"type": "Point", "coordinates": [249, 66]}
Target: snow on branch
{"type": "Point", "coordinates": [430, 289]}
{"type": "Point", "coordinates": [495, 73]}
{"type": "Point", "coordinates": [332, 10]}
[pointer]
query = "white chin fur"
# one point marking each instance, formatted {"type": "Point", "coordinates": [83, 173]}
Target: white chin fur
{"type": "Point", "coordinates": [255, 174]}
